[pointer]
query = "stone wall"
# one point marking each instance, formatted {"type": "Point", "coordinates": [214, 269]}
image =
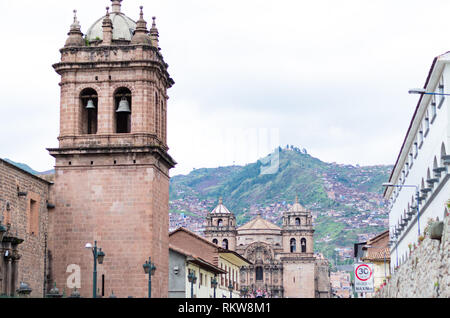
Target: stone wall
{"type": "Point", "coordinates": [26, 218]}
{"type": "Point", "coordinates": [425, 274]}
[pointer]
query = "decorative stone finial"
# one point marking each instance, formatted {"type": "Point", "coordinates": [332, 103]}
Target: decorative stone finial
{"type": "Point", "coordinates": [221, 201]}
{"type": "Point", "coordinates": [154, 34]}
{"type": "Point", "coordinates": [75, 35]}
{"type": "Point", "coordinates": [107, 29]}
{"type": "Point", "coordinates": [296, 199]}
{"type": "Point", "coordinates": [141, 34]}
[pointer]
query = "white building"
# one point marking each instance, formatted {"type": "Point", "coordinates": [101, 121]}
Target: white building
{"type": "Point", "coordinates": [423, 162]}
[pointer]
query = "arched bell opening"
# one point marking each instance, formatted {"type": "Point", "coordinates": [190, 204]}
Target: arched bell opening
{"type": "Point", "coordinates": [225, 244]}
{"type": "Point", "coordinates": [293, 245]}
{"type": "Point", "coordinates": [123, 109]}
{"type": "Point", "coordinates": [89, 111]}
{"type": "Point", "coordinates": [303, 244]}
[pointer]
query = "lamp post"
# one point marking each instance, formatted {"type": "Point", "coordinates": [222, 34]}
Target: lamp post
{"type": "Point", "coordinates": [149, 268]}
{"type": "Point", "coordinates": [417, 198]}
{"type": "Point", "coordinates": [230, 288]}
{"type": "Point", "coordinates": [192, 279]}
{"type": "Point", "coordinates": [214, 284]}
{"type": "Point", "coordinates": [423, 91]}
{"type": "Point", "coordinates": [98, 257]}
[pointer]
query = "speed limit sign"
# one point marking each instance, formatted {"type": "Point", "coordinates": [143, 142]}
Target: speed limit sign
{"type": "Point", "coordinates": [363, 278]}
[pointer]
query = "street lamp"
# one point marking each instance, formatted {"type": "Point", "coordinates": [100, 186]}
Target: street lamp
{"type": "Point", "coordinates": [99, 256]}
{"type": "Point", "coordinates": [214, 284]}
{"type": "Point", "coordinates": [149, 268]}
{"type": "Point", "coordinates": [388, 184]}
{"type": "Point", "coordinates": [423, 91]}
{"type": "Point", "coordinates": [230, 288]}
{"type": "Point", "coordinates": [193, 280]}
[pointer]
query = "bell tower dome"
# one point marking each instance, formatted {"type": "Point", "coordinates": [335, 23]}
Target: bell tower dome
{"type": "Point", "coordinates": [221, 227]}
{"type": "Point", "coordinates": [112, 164]}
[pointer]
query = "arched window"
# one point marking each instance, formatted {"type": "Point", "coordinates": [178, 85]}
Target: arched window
{"type": "Point", "coordinates": [215, 241]}
{"type": "Point", "coordinates": [123, 108]}
{"type": "Point", "coordinates": [259, 273]}
{"type": "Point", "coordinates": [297, 221]}
{"type": "Point", "coordinates": [225, 244]}
{"type": "Point", "coordinates": [89, 111]}
{"type": "Point", "coordinates": [220, 223]}
{"type": "Point", "coordinates": [303, 243]}
{"type": "Point", "coordinates": [293, 245]}
{"type": "Point", "coordinates": [157, 115]}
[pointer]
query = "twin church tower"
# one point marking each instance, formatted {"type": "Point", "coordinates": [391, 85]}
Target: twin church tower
{"type": "Point", "coordinates": [283, 261]}
{"type": "Point", "coordinates": [112, 164]}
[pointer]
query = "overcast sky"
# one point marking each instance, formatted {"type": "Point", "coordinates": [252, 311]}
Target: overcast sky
{"type": "Point", "coordinates": [328, 76]}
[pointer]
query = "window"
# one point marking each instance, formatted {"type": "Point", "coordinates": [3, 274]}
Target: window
{"type": "Point", "coordinates": [220, 222]}
{"type": "Point", "coordinates": [215, 241]}
{"type": "Point", "coordinates": [297, 221]}
{"type": "Point", "coordinates": [416, 149]}
{"type": "Point", "coordinates": [123, 104]}
{"type": "Point", "coordinates": [33, 218]}
{"type": "Point", "coordinates": [259, 273]}
{"type": "Point", "coordinates": [89, 111]}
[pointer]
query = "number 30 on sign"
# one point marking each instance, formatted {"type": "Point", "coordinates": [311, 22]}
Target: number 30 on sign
{"type": "Point", "coordinates": [364, 278]}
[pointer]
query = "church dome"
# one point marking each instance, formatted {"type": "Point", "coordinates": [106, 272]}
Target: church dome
{"type": "Point", "coordinates": [123, 26]}
{"type": "Point", "coordinates": [297, 207]}
{"type": "Point", "coordinates": [221, 209]}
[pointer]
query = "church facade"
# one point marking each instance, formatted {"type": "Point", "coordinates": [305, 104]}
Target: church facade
{"type": "Point", "coordinates": [283, 261]}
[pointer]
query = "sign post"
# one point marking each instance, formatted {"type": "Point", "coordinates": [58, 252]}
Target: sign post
{"type": "Point", "coordinates": [363, 278]}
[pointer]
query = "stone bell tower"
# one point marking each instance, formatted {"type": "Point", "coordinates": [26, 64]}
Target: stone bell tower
{"type": "Point", "coordinates": [221, 227]}
{"type": "Point", "coordinates": [298, 252]}
{"type": "Point", "coordinates": [112, 164]}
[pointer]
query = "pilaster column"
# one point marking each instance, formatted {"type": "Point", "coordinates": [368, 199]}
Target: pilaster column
{"type": "Point", "coordinates": [14, 270]}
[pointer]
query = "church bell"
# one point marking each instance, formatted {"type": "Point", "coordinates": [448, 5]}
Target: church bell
{"type": "Point", "coordinates": [124, 106]}
{"type": "Point", "coordinates": [90, 104]}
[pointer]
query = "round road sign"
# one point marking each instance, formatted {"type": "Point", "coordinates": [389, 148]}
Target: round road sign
{"type": "Point", "coordinates": [363, 272]}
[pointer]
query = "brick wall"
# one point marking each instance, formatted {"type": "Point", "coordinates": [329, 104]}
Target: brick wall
{"type": "Point", "coordinates": [124, 208]}
{"type": "Point", "coordinates": [28, 216]}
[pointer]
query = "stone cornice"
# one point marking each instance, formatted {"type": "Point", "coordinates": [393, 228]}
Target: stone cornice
{"type": "Point", "coordinates": [161, 153]}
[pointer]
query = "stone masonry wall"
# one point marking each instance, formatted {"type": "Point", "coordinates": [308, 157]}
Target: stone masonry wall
{"type": "Point", "coordinates": [426, 273]}
{"type": "Point", "coordinates": [27, 217]}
